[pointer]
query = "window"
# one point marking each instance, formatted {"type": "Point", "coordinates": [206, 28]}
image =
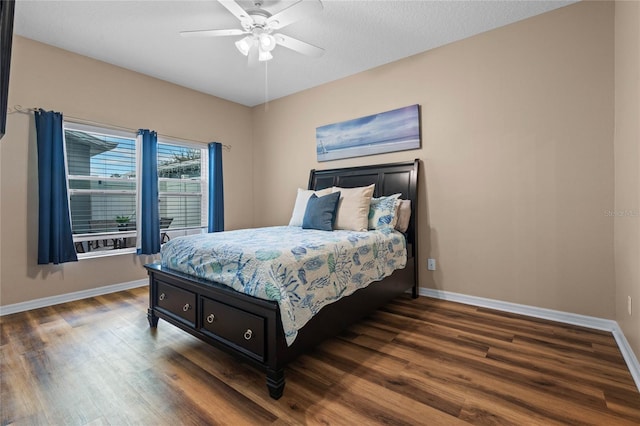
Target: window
{"type": "Point", "coordinates": [182, 186]}
{"type": "Point", "coordinates": [103, 189]}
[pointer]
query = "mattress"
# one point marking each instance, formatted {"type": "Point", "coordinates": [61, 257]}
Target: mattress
{"type": "Point", "coordinates": [302, 270]}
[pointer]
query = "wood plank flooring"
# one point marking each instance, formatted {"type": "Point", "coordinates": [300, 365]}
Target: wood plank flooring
{"type": "Point", "coordinates": [414, 362]}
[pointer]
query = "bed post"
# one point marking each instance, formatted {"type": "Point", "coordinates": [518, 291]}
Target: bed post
{"type": "Point", "coordinates": [415, 292]}
{"type": "Point", "coordinates": [151, 316]}
{"type": "Point", "coordinates": [275, 382]}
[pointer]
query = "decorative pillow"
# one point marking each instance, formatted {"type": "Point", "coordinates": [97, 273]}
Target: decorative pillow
{"type": "Point", "coordinates": [353, 208]}
{"type": "Point", "coordinates": [382, 212]}
{"type": "Point", "coordinates": [321, 212]}
{"type": "Point", "coordinates": [404, 214]}
{"type": "Point", "coordinates": [301, 204]}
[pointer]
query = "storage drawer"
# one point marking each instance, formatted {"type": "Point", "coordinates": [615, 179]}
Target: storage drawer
{"type": "Point", "coordinates": [177, 302]}
{"type": "Point", "coordinates": [241, 328]}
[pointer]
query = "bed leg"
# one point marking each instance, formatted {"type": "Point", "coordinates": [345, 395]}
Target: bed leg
{"type": "Point", "coordinates": [275, 382]}
{"type": "Point", "coordinates": [152, 318]}
{"type": "Point", "coordinates": [414, 292]}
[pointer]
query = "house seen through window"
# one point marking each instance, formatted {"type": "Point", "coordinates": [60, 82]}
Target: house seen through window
{"type": "Point", "coordinates": [102, 173]}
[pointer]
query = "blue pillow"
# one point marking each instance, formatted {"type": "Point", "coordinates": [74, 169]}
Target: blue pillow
{"type": "Point", "coordinates": [321, 212]}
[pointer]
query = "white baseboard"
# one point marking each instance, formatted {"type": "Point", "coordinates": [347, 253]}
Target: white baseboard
{"type": "Point", "coordinates": [549, 314]}
{"type": "Point", "coordinates": [628, 355]}
{"type": "Point", "coordinates": [69, 297]}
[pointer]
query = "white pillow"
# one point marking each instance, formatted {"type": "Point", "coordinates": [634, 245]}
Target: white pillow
{"type": "Point", "coordinates": [301, 204]}
{"type": "Point", "coordinates": [353, 208]}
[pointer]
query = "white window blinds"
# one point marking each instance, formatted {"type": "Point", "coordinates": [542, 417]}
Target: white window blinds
{"type": "Point", "coordinates": [182, 173]}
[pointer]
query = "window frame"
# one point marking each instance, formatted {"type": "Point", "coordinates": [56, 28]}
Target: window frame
{"type": "Point", "coordinates": [204, 183]}
{"type": "Point", "coordinates": [93, 236]}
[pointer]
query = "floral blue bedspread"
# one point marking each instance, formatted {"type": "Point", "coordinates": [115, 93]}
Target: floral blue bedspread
{"type": "Point", "coordinates": [302, 269]}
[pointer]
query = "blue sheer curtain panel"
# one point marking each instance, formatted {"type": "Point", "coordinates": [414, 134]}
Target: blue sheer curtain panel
{"type": "Point", "coordinates": [55, 240]}
{"type": "Point", "coordinates": [148, 217]}
{"type": "Point", "coordinates": [216, 193]}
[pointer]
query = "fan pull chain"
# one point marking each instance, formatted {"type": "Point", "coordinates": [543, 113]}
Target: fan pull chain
{"type": "Point", "coordinates": [266, 86]}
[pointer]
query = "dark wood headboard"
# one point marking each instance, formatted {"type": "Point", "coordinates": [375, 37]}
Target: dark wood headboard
{"type": "Point", "coordinates": [389, 179]}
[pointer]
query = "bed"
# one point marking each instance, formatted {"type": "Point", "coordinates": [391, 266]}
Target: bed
{"type": "Point", "coordinates": [251, 328]}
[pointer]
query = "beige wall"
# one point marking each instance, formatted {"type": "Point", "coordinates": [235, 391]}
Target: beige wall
{"type": "Point", "coordinates": [627, 168]}
{"type": "Point", "coordinates": [43, 76]}
{"type": "Point", "coordinates": [517, 156]}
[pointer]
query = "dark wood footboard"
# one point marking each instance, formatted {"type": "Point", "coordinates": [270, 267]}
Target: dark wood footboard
{"type": "Point", "coordinates": [244, 326]}
{"type": "Point", "coordinates": [251, 329]}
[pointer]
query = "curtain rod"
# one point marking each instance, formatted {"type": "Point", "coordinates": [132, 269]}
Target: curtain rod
{"type": "Point", "coordinates": [21, 109]}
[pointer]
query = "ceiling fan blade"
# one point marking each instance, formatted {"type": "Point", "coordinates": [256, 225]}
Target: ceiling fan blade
{"type": "Point", "coordinates": [294, 13]}
{"type": "Point", "coordinates": [235, 9]}
{"type": "Point", "coordinates": [299, 46]}
{"type": "Point", "coordinates": [212, 33]}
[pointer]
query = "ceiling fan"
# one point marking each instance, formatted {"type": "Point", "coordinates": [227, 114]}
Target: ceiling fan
{"type": "Point", "coordinates": [260, 25]}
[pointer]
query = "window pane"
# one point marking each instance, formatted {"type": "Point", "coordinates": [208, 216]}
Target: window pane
{"type": "Point", "coordinates": [179, 162]}
{"type": "Point", "coordinates": [92, 213]}
{"type": "Point", "coordinates": [185, 211]}
{"type": "Point", "coordinates": [180, 185]}
{"type": "Point", "coordinates": [180, 172]}
{"type": "Point", "coordinates": [91, 154]}
{"type": "Point", "coordinates": [103, 184]}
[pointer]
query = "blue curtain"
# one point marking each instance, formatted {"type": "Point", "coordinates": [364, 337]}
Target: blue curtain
{"type": "Point", "coordinates": [55, 239]}
{"type": "Point", "coordinates": [216, 193]}
{"type": "Point", "coordinates": [148, 218]}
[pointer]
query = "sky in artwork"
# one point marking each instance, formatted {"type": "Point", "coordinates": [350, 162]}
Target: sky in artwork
{"type": "Point", "coordinates": [399, 124]}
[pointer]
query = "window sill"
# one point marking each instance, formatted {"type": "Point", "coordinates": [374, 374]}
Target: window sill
{"type": "Point", "coordinates": [106, 253]}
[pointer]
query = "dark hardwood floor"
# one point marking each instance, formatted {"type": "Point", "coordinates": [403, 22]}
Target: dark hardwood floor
{"type": "Point", "coordinates": [425, 361]}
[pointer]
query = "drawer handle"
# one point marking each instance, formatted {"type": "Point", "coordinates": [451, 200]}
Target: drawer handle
{"type": "Point", "coordinates": [162, 296]}
{"type": "Point", "coordinates": [186, 307]}
{"type": "Point", "coordinates": [248, 334]}
{"type": "Point", "coordinates": [211, 318]}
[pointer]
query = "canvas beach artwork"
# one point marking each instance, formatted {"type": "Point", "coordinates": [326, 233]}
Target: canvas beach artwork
{"type": "Point", "coordinates": [396, 130]}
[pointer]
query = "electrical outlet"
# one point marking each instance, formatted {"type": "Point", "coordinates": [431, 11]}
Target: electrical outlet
{"type": "Point", "coordinates": [431, 264]}
{"type": "Point", "coordinates": [629, 305]}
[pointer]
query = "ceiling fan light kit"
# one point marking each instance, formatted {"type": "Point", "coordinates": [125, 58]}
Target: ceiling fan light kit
{"type": "Point", "coordinates": [267, 42]}
{"type": "Point", "coordinates": [258, 26]}
{"type": "Point", "coordinates": [265, 56]}
{"type": "Point", "coordinates": [244, 45]}
{"type": "Point", "coordinates": [264, 42]}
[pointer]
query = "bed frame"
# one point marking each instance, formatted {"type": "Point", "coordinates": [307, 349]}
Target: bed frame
{"type": "Point", "coordinates": [250, 328]}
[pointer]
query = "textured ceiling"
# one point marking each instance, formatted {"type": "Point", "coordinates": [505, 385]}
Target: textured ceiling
{"type": "Point", "coordinates": [357, 35]}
